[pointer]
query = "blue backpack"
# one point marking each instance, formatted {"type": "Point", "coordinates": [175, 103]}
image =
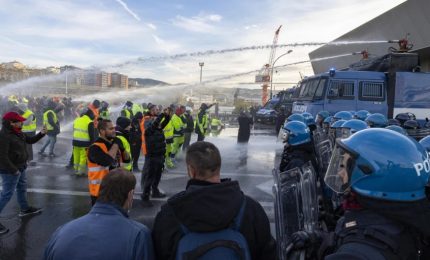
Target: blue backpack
{"type": "Point", "coordinates": [226, 244]}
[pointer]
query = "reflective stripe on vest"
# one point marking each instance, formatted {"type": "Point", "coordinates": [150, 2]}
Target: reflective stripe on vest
{"type": "Point", "coordinates": [29, 127]}
{"type": "Point", "coordinates": [127, 148]}
{"type": "Point", "coordinates": [96, 172]}
{"type": "Point", "coordinates": [80, 128]}
{"type": "Point", "coordinates": [45, 120]}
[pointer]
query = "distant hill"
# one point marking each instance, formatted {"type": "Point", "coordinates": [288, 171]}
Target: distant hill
{"type": "Point", "coordinates": [145, 82]}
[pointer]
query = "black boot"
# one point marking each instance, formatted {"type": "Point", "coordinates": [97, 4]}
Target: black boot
{"type": "Point", "coordinates": [156, 193]}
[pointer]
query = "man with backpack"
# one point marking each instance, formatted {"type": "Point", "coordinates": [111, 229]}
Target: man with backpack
{"type": "Point", "coordinates": [211, 213]}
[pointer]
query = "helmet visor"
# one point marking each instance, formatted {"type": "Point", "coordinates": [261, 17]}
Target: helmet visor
{"type": "Point", "coordinates": [338, 175]}
{"type": "Point", "coordinates": [346, 132]}
{"type": "Point", "coordinates": [283, 135]}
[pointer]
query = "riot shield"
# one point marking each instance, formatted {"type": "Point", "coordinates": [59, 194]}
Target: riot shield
{"type": "Point", "coordinates": [323, 155]}
{"type": "Point", "coordinates": [296, 204]}
{"type": "Point", "coordinates": [308, 189]}
{"type": "Point", "coordinates": [288, 212]}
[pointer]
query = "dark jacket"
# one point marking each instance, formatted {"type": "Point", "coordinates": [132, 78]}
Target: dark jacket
{"type": "Point", "coordinates": [154, 135]}
{"type": "Point", "coordinates": [245, 124]}
{"type": "Point", "coordinates": [364, 234]}
{"type": "Point", "coordinates": [297, 156]}
{"type": "Point", "coordinates": [206, 207]}
{"type": "Point", "coordinates": [189, 122]}
{"type": "Point", "coordinates": [105, 232]}
{"type": "Point", "coordinates": [13, 152]}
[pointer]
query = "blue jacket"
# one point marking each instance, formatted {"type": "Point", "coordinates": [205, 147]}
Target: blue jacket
{"type": "Point", "coordinates": [105, 232]}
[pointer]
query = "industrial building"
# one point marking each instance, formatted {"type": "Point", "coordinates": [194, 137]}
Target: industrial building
{"type": "Point", "coordinates": [409, 20]}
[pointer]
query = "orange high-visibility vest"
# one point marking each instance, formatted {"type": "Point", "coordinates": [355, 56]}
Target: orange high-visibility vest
{"type": "Point", "coordinates": [96, 114]}
{"type": "Point", "coordinates": [142, 129]}
{"type": "Point", "coordinates": [96, 173]}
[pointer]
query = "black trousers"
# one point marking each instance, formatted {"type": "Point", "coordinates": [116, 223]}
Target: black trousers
{"type": "Point", "coordinates": [135, 151]}
{"type": "Point", "coordinates": [200, 137]}
{"type": "Point", "coordinates": [151, 174]}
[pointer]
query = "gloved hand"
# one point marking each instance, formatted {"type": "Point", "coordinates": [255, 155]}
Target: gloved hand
{"type": "Point", "coordinates": [306, 239]}
{"type": "Point", "coordinates": [300, 239]}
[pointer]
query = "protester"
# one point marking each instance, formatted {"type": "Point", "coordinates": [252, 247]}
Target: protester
{"type": "Point", "coordinates": [210, 204]}
{"type": "Point", "coordinates": [106, 232]}
{"type": "Point", "coordinates": [50, 120]}
{"type": "Point", "coordinates": [13, 162]}
{"type": "Point", "coordinates": [154, 159]}
{"type": "Point", "coordinates": [103, 155]}
{"type": "Point", "coordinates": [245, 124]}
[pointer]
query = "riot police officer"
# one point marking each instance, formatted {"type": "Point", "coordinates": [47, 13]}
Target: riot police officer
{"type": "Point", "coordinates": [298, 146]}
{"type": "Point", "coordinates": [386, 209]}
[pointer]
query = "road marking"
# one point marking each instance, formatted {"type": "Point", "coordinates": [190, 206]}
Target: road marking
{"type": "Point", "coordinates": [265, 204]}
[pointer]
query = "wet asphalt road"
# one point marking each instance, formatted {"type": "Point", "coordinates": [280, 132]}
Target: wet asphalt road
{"type": "Point", "coordinates": [64, 197]}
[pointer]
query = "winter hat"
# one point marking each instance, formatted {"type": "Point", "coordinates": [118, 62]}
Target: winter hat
{"type": "Point", "coordinates": [123, 122]}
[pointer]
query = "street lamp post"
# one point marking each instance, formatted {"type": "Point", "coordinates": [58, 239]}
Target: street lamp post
{"type": "Point", "coordinates": [66, 82]}
{"type": "Point", "coordinates": [201, 64]}
{"type": "Point", "coordinates": [271, 72]}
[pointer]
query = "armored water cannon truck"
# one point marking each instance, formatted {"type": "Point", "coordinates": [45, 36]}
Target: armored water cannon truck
{"type": "Point", "coordinates": [389, 85]}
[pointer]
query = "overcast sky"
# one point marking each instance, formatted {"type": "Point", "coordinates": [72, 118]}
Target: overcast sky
{"type": "Point", "coordinates": [149, 38]}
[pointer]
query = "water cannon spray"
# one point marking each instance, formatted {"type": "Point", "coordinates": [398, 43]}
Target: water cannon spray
{"type": "Point", "coordinates": [364, 54]}
{"type": "Point", "coordinates": [404, 45]}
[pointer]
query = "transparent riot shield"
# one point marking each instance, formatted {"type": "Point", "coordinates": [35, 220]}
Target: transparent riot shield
{"type": "Point", "coordinates": [323, 155]}
{"type": "Point", "coordinates": [288, 206]}
{"type": "Point", "coordinates": [308, 189]}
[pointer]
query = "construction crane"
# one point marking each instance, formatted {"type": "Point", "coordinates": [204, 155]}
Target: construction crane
{"type": "Point", "coordinates": [263, 75]}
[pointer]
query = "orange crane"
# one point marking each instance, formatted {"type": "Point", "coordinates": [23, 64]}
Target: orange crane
{"type": "Point", "coordinates": [263, 75]}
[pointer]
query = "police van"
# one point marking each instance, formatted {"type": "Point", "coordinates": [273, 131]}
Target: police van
{"type": "Point", "coordinates": [269, 112]}
{"type": "Point", "coordinates": [388, 85]}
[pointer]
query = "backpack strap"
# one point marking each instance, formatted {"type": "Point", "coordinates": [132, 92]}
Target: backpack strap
{"type": "Point", "coordinates": [237, 222]}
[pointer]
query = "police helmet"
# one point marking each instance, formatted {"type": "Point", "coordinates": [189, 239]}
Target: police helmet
{"type": "Point", "coordinates": [335, 128]}
{"type": "Point", "coordinates": [296, 133]}
{"type": "Point", "coordinates": [321, 116]}
{"type": "Point", "coordinates": [309, 118]}
{"type": "Point", "coordinates": [362, 114]}
{"type": "Point", "coordinates": [296, 117]}
{"type": "Point", "coordinates": [393, 121]}
{"type": "Point", "coordinates": [397, 128]}
{"type": "Point", "coordinates": [352, 126]}
{"type": "Point", "coordinates": [411, 124]}
{"type": "Point", "coordinates": [342, 115]}
{"type": "Point", "coordinates": [376, 120]}
{"type": "Point", "coordinates": [425, 142]}
{"type": "Point", "coordinates": [403, 117]}
{"type": "Point", "coordinates": [369, 162]}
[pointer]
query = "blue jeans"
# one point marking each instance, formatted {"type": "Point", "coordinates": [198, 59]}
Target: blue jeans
{"type": "Point", "coordinates": [52, 139]}
{"type": "Point", "coordinates": [10, 183]}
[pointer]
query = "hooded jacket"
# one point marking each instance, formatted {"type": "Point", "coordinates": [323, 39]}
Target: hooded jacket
{"type": "Point", "coordinates": [207, 207]}
{"type": "Point", "coordinates": [13, 152]}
